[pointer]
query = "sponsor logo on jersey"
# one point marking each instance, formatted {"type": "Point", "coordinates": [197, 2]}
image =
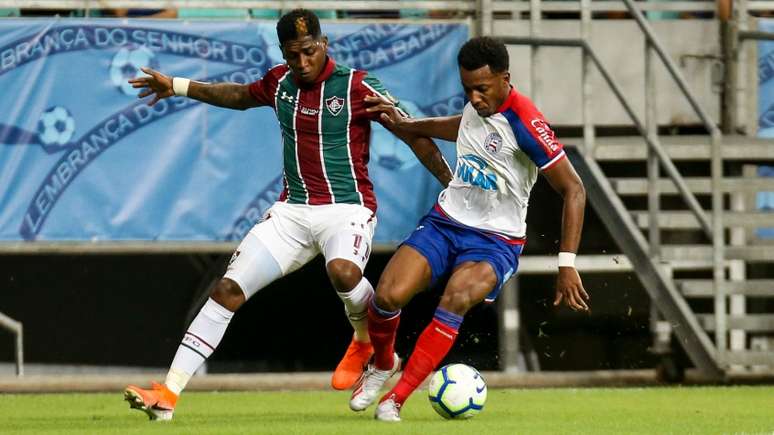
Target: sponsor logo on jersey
{"type": "Point", "coordinates": [334, 105]}
{"type": "Point", "coordinates": [475, 170]}
{"type": "Point", "coordinates": [493, 142]}
{"type": "Point", "coordinates": [309, 111]}
{"type": "Point", "coordinates": [545, 134]}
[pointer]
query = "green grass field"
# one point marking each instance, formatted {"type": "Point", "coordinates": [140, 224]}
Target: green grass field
{"type": "Point", "coordinates": [726, 410]}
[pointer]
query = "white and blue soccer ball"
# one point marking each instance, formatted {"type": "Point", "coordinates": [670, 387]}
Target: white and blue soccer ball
{"type": "Point", "coordinates": [56, 127]}
{"type": "Point", "coordinates": [457, 391]}
{"type": "Point", "coordinates": [126, 65]}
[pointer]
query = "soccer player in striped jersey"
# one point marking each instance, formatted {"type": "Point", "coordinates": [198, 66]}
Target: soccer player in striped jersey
{"type": "Point", "coordinates": [327, 206]}
{"type": "Point", "coordinates": [475, 233]}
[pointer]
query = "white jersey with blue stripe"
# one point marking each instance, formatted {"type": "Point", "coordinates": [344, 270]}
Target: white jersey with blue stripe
{"type": "Point", "coordinates": [498, 159]}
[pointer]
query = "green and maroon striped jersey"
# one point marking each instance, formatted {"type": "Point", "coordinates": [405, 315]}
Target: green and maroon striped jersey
{"type": "Point", "coordinates": [325, 133]}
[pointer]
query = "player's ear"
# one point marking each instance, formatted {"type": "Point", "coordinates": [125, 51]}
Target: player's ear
{"type": "Point", "coordinates": [507, 77]}
{"type": "Point", "coordinates": [324, 40]}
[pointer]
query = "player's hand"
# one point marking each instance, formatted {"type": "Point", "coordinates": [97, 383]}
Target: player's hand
{"type": "Point", "coordinates": [390, 116]}
{"type": "Point", "coordinates": [154, 83]}
{"type": "Point", "coordinates": [570, 289]}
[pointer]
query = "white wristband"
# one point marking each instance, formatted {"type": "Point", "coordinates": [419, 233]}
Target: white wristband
{"type": "Point", "coordinates": [180, 86]}
{"type": "Point", "coordinates": [566, 259]}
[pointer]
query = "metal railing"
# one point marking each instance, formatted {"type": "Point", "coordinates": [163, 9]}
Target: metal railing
{"type": "Point", "coordinates": [657, 154]}
{"type": "Point", "coordinates": [15, 328]}
{"type": "Point", "coordinates": [474, 7]}
{"type": "Point", "coordinates": [714, 230]}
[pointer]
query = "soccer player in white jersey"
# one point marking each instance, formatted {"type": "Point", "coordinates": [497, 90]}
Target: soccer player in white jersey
{"type": "Point", "coordinates": [328, 205]}
{"type": "Point", "coordinates": [476, 231]}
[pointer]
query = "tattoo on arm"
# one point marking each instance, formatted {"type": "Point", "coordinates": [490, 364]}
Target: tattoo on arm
{"type": "Point", "coordinates": [428, 153]}
{"type": "Point", "coordinates": [229, 95]}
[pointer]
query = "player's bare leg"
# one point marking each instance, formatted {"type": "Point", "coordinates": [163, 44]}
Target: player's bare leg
{"type": "Point", "coordinates": [469, 284]}
{"type": "Point", "coordinates": [356, 292]}
{"type": "Point", "coordinates": [407, 273]}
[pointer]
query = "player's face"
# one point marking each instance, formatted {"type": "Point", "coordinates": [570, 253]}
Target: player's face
{"type": "Point", "coordinates": [485, 89]}
{"type": "Point", "coordinates": [305, 57]}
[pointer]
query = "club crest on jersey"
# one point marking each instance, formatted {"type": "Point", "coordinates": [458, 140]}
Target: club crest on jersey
{"type": "Point", "coordinates": [334, 105]}
{"type": "Point", "coordinates": [493, 142]}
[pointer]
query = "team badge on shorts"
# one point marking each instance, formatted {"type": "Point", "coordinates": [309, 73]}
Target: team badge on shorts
{"type": "Point", "coordinates": [493, 142]}
{"type": "Point", "coordinates": [334, 105]}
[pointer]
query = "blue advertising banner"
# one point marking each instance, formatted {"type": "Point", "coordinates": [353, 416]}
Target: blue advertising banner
{"type": "Point", "coordinates": [765, 200]}
{"type": "Point", "coordinates": [82, 158]}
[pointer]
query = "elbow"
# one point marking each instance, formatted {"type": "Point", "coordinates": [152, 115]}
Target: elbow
{"type": "Point", "coordinates": [575, 192]}
{"type": "Point", "coordinates": [579, 192]}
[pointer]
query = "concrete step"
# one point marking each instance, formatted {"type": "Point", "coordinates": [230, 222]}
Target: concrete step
{"type": "Point", "coordinates": [747, 322]}
{"type": "Point", "coordinates": [685, 148]}
{"type": "Point", "coordinates": [684, 220]}
{"type": "Point", "coordinates": [697, 185]}
{"type": "Point", "coordinates": [704, 253]}
{"type": "Point", "coordinates": [750, 357]}
{"type": "Point", "coordinates": [697, 288]}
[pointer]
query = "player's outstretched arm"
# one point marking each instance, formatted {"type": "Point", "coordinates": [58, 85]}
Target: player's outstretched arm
{"type": "Point", "coordinates": [428, 153]}
{"type": "Point", "coordinates": [229, 95]}
{"type": "Point", "coordinates": [444, 127]}
{"type": "Point", "coordinates": [565, 181]}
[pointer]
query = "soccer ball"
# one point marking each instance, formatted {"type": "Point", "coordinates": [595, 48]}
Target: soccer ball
{"type": "Point", "coordinates": [457, 391]}
{"type": "Point", "coordinates": [126, 65]}
{"type": "Point", "coordinates": [55, 127]}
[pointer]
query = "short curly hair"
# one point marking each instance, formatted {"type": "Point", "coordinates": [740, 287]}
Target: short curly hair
{"type": "Point", "coordinates": [297, 24]}
{"type": "Point", "coordinates": [482, 51]}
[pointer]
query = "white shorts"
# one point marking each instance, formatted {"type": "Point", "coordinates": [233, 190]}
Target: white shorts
{"type": "Point", "coordinates": [295, 233]}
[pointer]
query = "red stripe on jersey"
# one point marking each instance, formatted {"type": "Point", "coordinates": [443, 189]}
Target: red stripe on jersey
{"type": "Point", "coordinates": [308, 146]}
{"type": "Point", "coordinates": [263, 90]}
{"type": "Point", "coordinates": [534, 121]}
{"type": "Point", "coordinates": [360, 137]}
{"type": "Point", "coordinates": [360, 134]}
{"type": "Point", "coordinates": [553, 163]}
{"type": "Point", "coordinates": [284, 194]}
{"type": "Point", "coordinates": [508, 240]}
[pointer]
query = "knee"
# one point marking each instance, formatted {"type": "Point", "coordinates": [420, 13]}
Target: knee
{"type": "Point", "coordinates": [344, 275]}
{"type": "Point", "coordinates": [386, 300]}
{"type": "Point", "coordinates": [390, 295]}
{"type": "Point", "coordinates": [228, 294]}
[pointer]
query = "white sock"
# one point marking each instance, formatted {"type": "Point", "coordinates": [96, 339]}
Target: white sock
{"type": "Point", "coordinates": [356, 306]}
{"type": "Point", "coordinates": [201, 339]}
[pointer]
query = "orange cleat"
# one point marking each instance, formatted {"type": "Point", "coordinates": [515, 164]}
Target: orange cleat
{"type": "Point", "coordinates": [351, 367]}
{"type": "Point", "coordinates": [158, 402]}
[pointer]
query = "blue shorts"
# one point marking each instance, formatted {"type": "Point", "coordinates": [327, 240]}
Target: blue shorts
{"type": "Point", "coordinates": [446, 244]}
